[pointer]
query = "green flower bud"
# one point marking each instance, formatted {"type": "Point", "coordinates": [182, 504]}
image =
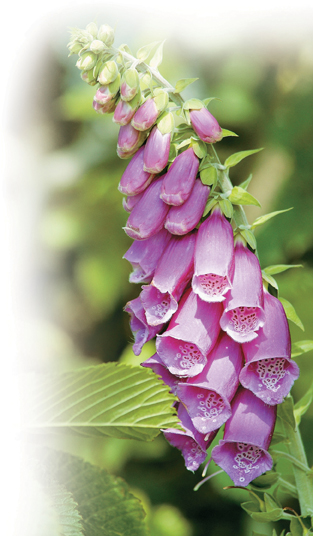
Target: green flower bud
{"type": "Point", "coordinates": [92, 28]}
{"type": "Point", "coordinates": [97, 46]}
{"type": "Point", "coordinates": [160, 99]}
{"type": "Point", "coordinates": [165, 123]}
{"type": "Point", "coordinates": [74, 47]}
{"type": "Point", "coordinates": [108, 73]}
{"type": "Point", "coordinates": [87, 61]}
{"type": "Point", "coordinates": [87, 76]}
{"type": "Point", "coordinates": [106, 34]}
{"type": "Point", "coordinates": [130, 84]}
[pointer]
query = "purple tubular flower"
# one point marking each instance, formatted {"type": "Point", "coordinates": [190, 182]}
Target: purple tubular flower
{"type": "Point", "coordinates": [183, 219]}
{"type": "Point", "coordinates": [190, 442]}
{"type": "Point", "coordinates": [242, 452]}
{"type": "Point", "coordinates": [180, 178]}
{"type": "Point", "coordinates": [146, 115]}
{"type": "Point", "coordinates": [144, 256]}
{"type": "Point", "coordinates": [243, 306]}
{"type": "Point", "coordinates": [129, 139]}
{"type": "Point", "coordinates": [148, 215]}
{"type": "Point", "coordinates": [130, 201]}
{"type": "Point", "coordinates": [134, 179]}
{"type": "Point", "coordinates": [141, 330]}
{"type": "Point", "coordinates": [269, 371]}
{"type": "Point", "coordinates": [157, 150]}
{"type": "Point", "coordinates": [205, 125]}
{"type": "Point", "coordinates": [157, 365]}
{"type": "Point", "coordinates": [192, 333]}
{"type": "Point", "coordinates": [207, 396]}
{"type": "Point", "coordinates": [172, 274]}
{"type": "Point", "coordinates": [214, 258]}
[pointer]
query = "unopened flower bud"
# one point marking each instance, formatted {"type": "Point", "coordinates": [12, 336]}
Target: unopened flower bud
{"type": "Point", "coordinates": [106, 93]}
{"type": "Point", "coordinates": [130, 84]}
{"type": "Point", "coordinates": [205, 125]}
{"type": "Point", "coordinates": [157, 148]}
{"type": "Point", "coordinates": [92, 28]}
{"type": "Point", "coordinates": [97, 46]}
{"type": "Point", "coordinates": [74, 47]}
{"type": "Point", "coordinates": [179, 180]}
{"type": "Point", "coordinates": [106, 34]}
{"type": "Point", "coordinates": [129, 139]}
{"type": "Point", "coordinates": [108, 73]}
{"type": "Point", "coordinates": [106, 108]}
{"type": "Point", "coordinates": [125, 111]}
{"type": "Point", "coordinates": [87, 61]}
{"type": "Point", "coordinates": [87, 76]}
{"type": "Point", "coordinates": [146, 115]}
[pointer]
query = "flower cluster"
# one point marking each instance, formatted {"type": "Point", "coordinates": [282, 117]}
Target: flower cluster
{"type": "Point", "coordinates": [222, 340]}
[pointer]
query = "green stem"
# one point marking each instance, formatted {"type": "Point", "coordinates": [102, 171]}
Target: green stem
{"type": "Point", "coordinates": [304, 483]}
{"type": "Point", "coordinates": [288, 486]}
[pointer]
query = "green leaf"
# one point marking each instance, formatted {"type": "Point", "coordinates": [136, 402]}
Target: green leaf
{"type": "Point", "coordinates": [156, 60]}
{"type": "Point", "coordinates": [302, 406]}
{"type": "Point", "coordinates": [249, 237]}
{"type": "Point", "coordinates": [111, 399]}
{"type": "Point", "coordinates": [301, 347]}
{"type": "Point", "coordinates": [208, 176]}
{"type": "Point", "coordinates": [269, 279]}
{"type": "Point", "coordinates": [291, 313]}
{"type": "Point", "coordinates": [295, 527]}
{"type": "Point", "coordinates": [193, 104]}
{"type": "Point", "coordinates": [265, 481]}
{"type": "Point", "coordinates": [235, 158]}
{"type": "Point", "coordinates": [144, 52]}
{"type": "Point", "coordinates": [265, 517]}
{"type": "Point", "coordinates": [278, 268]}
{"type": "Point", "coordinates": [207, 101]}
{"type": "Point", "coordinates": [226, 207]}
{"type": "Point", "coordinates": [183, 83]}
{"type": "Point", "coordinates": [285, 412]}
{"type": "Point", "coordinates": [199, 148]}
{"type": "Point", "coordinates": [250, 506]}
{"type": "Point", "coordinates": [262, 219]}
{"type": "Point", "coordinates": [205, 163]}
{"type": "Point", "coordinates": [257, 534]}
{"type": "Point", "coordinates": [278, 438]}
{"type": "Point", "coordinates": [105, 503]}
{"type": "Point", "coordinates": [246, 183]}
{"type": "Point", "coordinates": [70, 521]}
{"type": "Point", "coordinates": [239, 196]}
{"type": "Point", "coordinates": [210, 204]}
{"type": "Point", "coordinates": [227, 133]}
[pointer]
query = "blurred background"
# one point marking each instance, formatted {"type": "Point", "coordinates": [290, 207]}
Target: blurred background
{"type": "Point", "coordinates": [65, 237]}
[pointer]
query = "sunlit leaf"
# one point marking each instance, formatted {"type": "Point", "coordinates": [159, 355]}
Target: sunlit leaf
{"type": "Point", "coordinates": [210, 204]}
{"type": "Point", "coordinates": [199, 148]}
{"type": "Point", "coordinates": [111, 399]}
{"type": "Point", "coordinates": [183, 83]}
{"type": "Point", "coordinates": [144, 52]}
{"type": "Point", "coordinates": [246, 183]}
{"type": "Point", "coordinates": [303, 405]}
{"type": "Point", "coordinates": [226, 208]}
{"type": "Point", "coordinates": [278, 268]}
{"type": "Point", "coordinates": [291, 313]}
{"type": "Point", "coordinates": [227, 133]}
{"type": "Point", "coordinates": [301, 347]}
{"type": "Point", "coordinates": [235, 158]}
{"type": "Point", "coordinates": [269, 279]}
{"type": "Point", "coordinates": [249, 237]}
{"type": "Point", "coordinates": [156, 60]}
{"type": "Point", "coordinates": [266, 217]}
{"type": "Point", "coordinates": [208, 176]}
{"type": "Point", "coordinates": [285, 411]}
{"type": "Point", "coordinates": [239, 196]}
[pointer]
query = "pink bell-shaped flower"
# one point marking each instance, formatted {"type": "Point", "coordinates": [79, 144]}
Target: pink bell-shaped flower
{"type": "Point", "coordinates": [157, 150]}
{"type": "Point", "coordinates": [141, 330]}
{"type": "Point", "coordinates": [191, 335]}
{"type": "Point", "coordinates": [207, 396]}
{"type": "Point", "coordinates": [243, 306]}
{"type": "Point", "coordinates": [184, 218]}
{"type": "Point", "coordinates": [214, 258]}
{"type": "Point", "coordinates": [156, 364]}
{"type": "Point", "coordinates": [205, 125]}
{"type": "Point", "coordinates": [269, 371]}
{"type": "Point", "coordinates": [134, 179]}
{"type": "Point", "coordinates": [180, 178]}
{"type": "Point", "coordinates": [243, 451]}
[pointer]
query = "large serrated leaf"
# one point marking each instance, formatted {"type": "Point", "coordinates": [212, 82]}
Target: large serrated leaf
{"type": "Point", "coordinates": [157, 57]}
{"type": "Point", "coordinates": [104, 501]}
{"type": "Point", "coordinates": [183, 83]}
{"type": "Point", "coordinates": [301, 347]}
{"type": "Point", "coordinates": [66, 508]}
{"type": "Point", "coordinates": [262, 219]}
{"type": "Point", "coordinates": [291, 313]}
{"type": "Point", "coordinates": [235, 158]}
{"type": "Point", "coordinates": [111, 399]}
{"type": "Point", "coordinates": [239, 196]}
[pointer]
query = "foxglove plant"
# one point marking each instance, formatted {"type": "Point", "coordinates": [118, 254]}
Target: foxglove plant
{"type": "Point", "coordinates": [213, 311]}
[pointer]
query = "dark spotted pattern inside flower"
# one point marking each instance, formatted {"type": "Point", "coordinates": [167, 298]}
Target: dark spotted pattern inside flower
{"type": "Point", "coordinates": [246, 458]}
{"type": "Point", "coordinates": [161, 308]}
{"type": "Point", "coordinates": [244, 319]}
{"type": "Point", "coordinates": [210, 406]}
{"type": "Point", "coordinates": [213, 284]}
{"type": "Point", "coordinates": [271, 371]}
{"type": "Point", "coordinates": [189, 355]}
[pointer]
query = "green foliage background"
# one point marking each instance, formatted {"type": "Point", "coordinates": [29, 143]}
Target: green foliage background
{"type": "Point", "coordinates": [81, 282]}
